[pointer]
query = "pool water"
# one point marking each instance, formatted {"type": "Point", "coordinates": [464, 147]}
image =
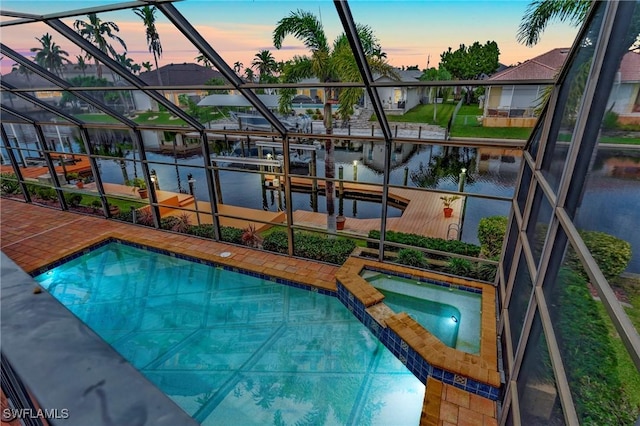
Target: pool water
{"type": "Point", "coordinates": [232, 349]}
{"type": "Point", "coordinates": [451, 314]}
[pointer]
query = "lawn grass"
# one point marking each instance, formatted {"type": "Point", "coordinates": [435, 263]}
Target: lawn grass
{"type": "Point", "coordinates": [124, 205]}
{"type": "Point", "coordinates": [491, 132]}
{"type": "Point", "coordinates": [620, 140]}
{"type": "Point", "coordinates": [424, 114]}
{"type": "Point", "coordinates": [627, 371]}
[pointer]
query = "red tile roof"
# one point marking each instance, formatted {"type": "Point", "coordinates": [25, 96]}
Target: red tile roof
{"type": "Point", "coordinates": [548, 64]}
{"type": "Point", "coordinates": [544, 66]}
{"type": "Point", "coordinates": [630, 67]}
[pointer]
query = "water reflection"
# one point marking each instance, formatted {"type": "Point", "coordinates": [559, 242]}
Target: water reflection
{"type": "Point", "coordinates": [611, 200]}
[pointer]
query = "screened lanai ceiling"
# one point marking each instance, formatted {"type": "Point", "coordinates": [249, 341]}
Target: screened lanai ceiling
{"type": "Point", "coordinates": [94, 79]}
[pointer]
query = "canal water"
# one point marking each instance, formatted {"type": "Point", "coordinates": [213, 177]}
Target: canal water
{"type": "Point", "coordinates": [611, 199]}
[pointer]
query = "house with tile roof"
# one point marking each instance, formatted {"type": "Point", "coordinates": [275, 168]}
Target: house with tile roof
{"type": "Point", "coordinates": [514, 106]}
{"type": "Point", "coordinates": [175, 75]}
{"type": "Point", "coordinates": [511, 106]}
{"type": "Point", "coordinates": [395, 100]}
{"type": "Point", "coordinates": [625, 94]}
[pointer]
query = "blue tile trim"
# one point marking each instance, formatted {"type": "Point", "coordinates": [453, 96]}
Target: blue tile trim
{"type": "Point", "coordinates": [111, 240]}
{"type": "Point", "coordinates": [424, 280]}
{"type": "Point", "coordinates": [406, 354]}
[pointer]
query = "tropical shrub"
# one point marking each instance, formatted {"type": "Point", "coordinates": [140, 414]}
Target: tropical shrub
{"type": "Point", "coordinates": [276, 241]}
{"type": "Point", "coordinates": [73, 200]}
{"type": "Point", "coordinates": [491, 231]}
{"type": "Point", "coordinates": [230, 234]}
{"type": "Point", "coordinates": [9, 183]}
{"type": "Point", "coordinates": [311, 246]}
{"type": "Point", "coordinates": [250, 237]}
{"type": "Point", "coordinates": [462, 267]}
{"type": "Point", "coordinates": [610, 120]}
{"type": "Point", "coordinates": [612, 254]}
{"type": "Point", "coordinates": [45, 193]}
{"type": "Point", "coordinates": [145, 217]}
{"type": "Point", "coordinates": [411, 257]}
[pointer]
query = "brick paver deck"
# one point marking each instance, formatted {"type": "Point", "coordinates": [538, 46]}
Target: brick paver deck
{"type": "Point", "coordinates": [35, 236]}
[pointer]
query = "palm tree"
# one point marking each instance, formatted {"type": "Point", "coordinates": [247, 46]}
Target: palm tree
{"type": "Point", "coordinates": [147, 66]}
{"type": "Point", "coordinates": [237, 67]}
{"type": "Point", "coordinates": [205, 61]}
{"type": "Point", "coordinates": [248, 73]}
{"type": "Point", "coordinates": [97, 32]}
{"type": "Point", "coordinates": [148, 16]}
{"type": "Point", "coordinates": [328, 63]}
{"type": "Point", "coordinates": [81, 65]}
{"type": "Point", "coordinates": [265, 64]}
{"type": "Point", "coordinates": [50, 56]}
{"type": "Point", "coordinates": [540, 12]}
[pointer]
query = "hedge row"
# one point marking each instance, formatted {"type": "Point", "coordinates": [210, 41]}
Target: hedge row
{"type": "Point", "coordinates": [612, 254]}
{"type": "Point", "coordinates": [311, 246]}
{"type": "Point", "coordinates": [449, 246]}
{"type": "Point", "coordinates": [455, 266]}
{"type": "Point", "coordinates": [227, 233]}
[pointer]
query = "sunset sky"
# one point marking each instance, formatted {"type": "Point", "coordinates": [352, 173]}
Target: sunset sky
{"type": "Point", "coordinates": [409, 31]}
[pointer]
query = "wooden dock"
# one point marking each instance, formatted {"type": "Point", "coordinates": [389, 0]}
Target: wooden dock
{"type": "Point", "coordinates": [422, 210]}
{"type": "Point", "coordinates": [74, 163]}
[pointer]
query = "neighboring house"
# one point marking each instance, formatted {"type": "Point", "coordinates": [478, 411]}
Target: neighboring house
{"type": "Point", "coordinates": [398, 100]}
{"type": "Point", "coordinates": [514, 106]}
{"type": "Point", "coordinates": [395, 100]}
{"type": "Point", "coordinates": [625, 95]}
{"type": "Point", "coordinates": [49, 92]}
{"type": "Point", "coordinates": [177, 75]}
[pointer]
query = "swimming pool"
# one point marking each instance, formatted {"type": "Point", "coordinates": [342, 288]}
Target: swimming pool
{"type": "Point", "coordinates": [230, 348]}
{"type": "Point", "coordinates": [450, 313]}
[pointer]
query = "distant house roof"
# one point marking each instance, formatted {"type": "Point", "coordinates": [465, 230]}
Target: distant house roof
{"type": "Point", "coordinates": [180, 75]}
{"type": "Point", "coordinates": [630, 67]}
{"type": "Point", "coordinates": [543, 67]}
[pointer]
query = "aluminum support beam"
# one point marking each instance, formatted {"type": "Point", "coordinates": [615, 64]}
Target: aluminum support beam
{"type": "Point", "coordinates": [203, 46]}
{"type": "Point", "coordinates": [351, 32]}
{"type": "Point", "coordinates": [62, 84]}
{"type": "Point", "coordinates": [14, 165]}
{"type": "Point", "coordinates": [30, 98]}
{"type": "Point", "coordinates": [105, 59]}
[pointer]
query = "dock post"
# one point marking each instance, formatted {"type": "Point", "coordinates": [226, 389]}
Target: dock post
{"type": "Point", "coordinates": [406, 175]}
{"type": "Point", "coordinates": [340, 190]}
{"type": "Point", "coordinates": [313, 165]}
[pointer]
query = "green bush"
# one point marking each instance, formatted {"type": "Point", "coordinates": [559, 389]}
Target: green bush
{"type": "Point", "coordinates": [205, 230]}
{"type": "Point", "coordinates": [168, 222]}
{"type": "Point", "coordinates": [9, 183]}
{"type": "Point", "coordinates": [311, 246]}
{"type": "Point", "coordinates": [610, 253]}
{"type": "Point", "coordinates": [485, 271]}
{"type": "Point", "coordinates": [231, 235]}
{"type": "Point", "coordinates": [461, 267]}
{"type": "Point", "coordinates": [276, 241]}
{"type": "Point", "coordinates": [73, 200]}
{"type": "Point", "coordinates": [316, 247]}
{"type": "Point", "coordinates": [610, 120]}
{"type": "Point", "coordinates": [491, 231]}
{"type": "Point", "coordinates": [588, 354]}
{"type": "Point", "coordinates": [411, 257]}
{"type": "Point", "coordinates": [449, 246]}
{"type": "Point", "coordinates": [46, 193]}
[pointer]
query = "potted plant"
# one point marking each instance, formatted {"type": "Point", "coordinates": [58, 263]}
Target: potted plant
{"type": "Point", "coordinates": [447, 200]}
{"type": "Point", "coordinates": [340, 220]}
{"type": "Point", "coordinates": [72, 177]}
{"type": "Point", "coordinates": [139, 185]}
{"type": "Point", "coordinates": [114, 210]}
